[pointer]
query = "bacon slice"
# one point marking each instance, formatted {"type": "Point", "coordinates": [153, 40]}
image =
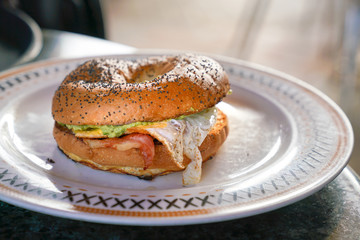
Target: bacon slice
{"type": "Point", "coordinates": [140, 141]}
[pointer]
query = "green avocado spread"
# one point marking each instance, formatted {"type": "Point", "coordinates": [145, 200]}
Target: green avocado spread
{"type": "Point", "coordinates": [109, 130]}
{"type": "Point", "coordinates": [113, 131]}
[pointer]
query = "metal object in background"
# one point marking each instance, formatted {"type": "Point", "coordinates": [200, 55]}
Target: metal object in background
{"type": "Point", "coordinates": [20, 38]}
{"type": "Point", "coordinates": [78, 16]}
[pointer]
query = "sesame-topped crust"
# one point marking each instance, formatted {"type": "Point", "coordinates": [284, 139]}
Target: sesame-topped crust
{"type": "Point", "coordinates": [116, 92]}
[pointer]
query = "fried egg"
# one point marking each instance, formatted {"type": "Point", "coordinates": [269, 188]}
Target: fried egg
{"type": "Point", "coordinates": [183, 137]}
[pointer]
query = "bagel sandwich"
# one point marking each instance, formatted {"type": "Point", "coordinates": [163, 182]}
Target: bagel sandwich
{"type": "Point", "coordinates": [145, 117]}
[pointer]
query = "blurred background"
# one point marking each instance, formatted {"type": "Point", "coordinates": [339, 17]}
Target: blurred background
{"type": "Point", "coordinates": [316, 41]}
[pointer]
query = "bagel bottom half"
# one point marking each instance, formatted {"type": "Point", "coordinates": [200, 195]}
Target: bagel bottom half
{"type": "Point", "coordinates": [131, 161]}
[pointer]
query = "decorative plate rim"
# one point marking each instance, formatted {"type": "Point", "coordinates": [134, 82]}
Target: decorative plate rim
{"type": "Point", "coordinates": [201, 215]}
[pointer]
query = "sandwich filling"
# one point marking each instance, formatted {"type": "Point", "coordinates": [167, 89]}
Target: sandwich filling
{"type": "Point", "coordinates": [181, 136]}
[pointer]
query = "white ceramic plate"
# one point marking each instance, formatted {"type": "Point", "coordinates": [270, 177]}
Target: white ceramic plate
{"type": "Point", "coordinates": [287, 140]}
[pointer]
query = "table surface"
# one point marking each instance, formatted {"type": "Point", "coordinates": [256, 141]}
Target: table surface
{"type": "Point", "coordinates": [331, 213]}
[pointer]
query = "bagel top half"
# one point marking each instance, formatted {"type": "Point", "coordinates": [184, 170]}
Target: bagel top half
{"type": "Point", "coordinates": [118, 92]}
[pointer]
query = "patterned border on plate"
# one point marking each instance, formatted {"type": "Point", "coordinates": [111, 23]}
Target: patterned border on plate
{"type": "Point", "coordinates": [312, 162]}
